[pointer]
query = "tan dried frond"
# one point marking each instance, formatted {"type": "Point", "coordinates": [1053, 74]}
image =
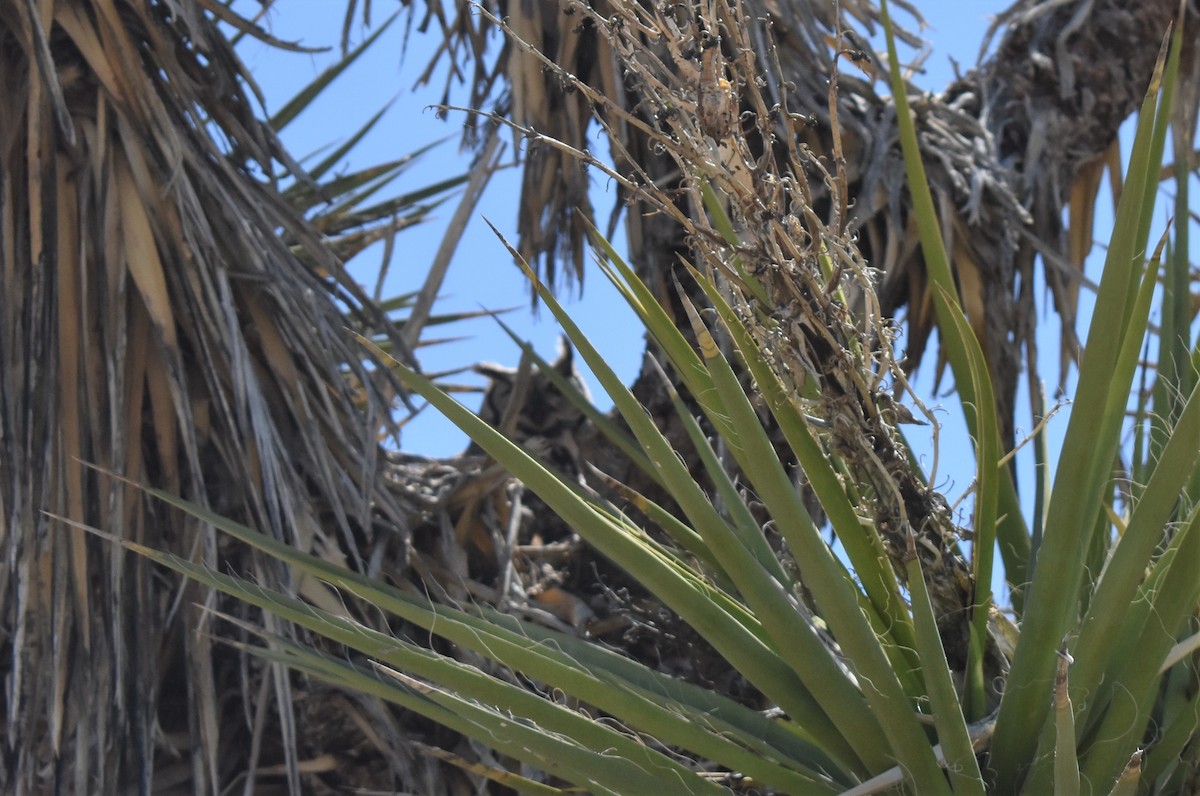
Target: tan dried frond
{"type": "Point", "coordinates": [154, 323]}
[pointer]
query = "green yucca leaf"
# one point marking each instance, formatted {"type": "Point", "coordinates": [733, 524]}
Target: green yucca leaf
{"type": "Point", "coordinates": [784, 740]}
{"type": "Point", "coordinates": [672, 526]}
{"type": "Point", "coordinates": [515, 721]}
{"type": "Point", "coordinates": [1127, 783]}
{"type": "Point", "coordinates": [904, 667]}
{"type": "Point", "coordinates": [1041, 480]}
{"type": "Point", "coordinates": [1083, 473]}
{"type": "Point", "coordinates": [937, 263]}
{"type": "Point", "coordinates": [643, 704]}
{"type": "Point", "coordinates": [1010, 528]}
{"type": "Point", "coordinates": [863, 546]}
{"type": "Point", "coordinates": [834, 593]}
{"type": "Point", "coordinates": [1174, 378]}
{"type": "Point", "coordinates": [1126, 566]}
{"type": "Point", "coordinates": [558, 754]}
{"type": "Point", "coordinates": [376, 682]}
{"type": "Point", "coordinates": [722, 223]}
{"type": "Point", "coordinates": [955, 739]}
{"type": "Point", "coordinates": [676, 347]}
{"type": "Point", "coordinates": [1164, 756]}
{"type": "Point", "coordinates": [1130, 655]}
{"type": "Point", "coordinates": [743, 526]}
{"type": "Point", "coordinates": [1141, 463]}
{"type": "Point", "coordinates": [669, 710]}
{"type": "Point", "coordinates": [1013, 538]}
{"type": "Point", "coordinates": [680, 589]}
{"type": "Point", "coordinates": [1163, 83]}
{"type": "Point", "coordinates": [987, 492]}
{"type": "Point", "coordinates": [729, 410]}
{"type": "Point", "coordinates": [1066, 762]}
{"type": "Point", "coordinates": [827, 685]}
{"type": "Point", "coordinates": [1173, 601]}
{"type": "Point", "coordinates": [727, 406]}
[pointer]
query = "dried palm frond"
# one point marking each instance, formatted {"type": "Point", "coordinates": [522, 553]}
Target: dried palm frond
{"type": "Point", "coordinates": [167, 317]}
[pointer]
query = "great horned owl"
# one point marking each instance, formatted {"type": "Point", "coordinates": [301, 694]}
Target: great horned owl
{"type": "Point", "coordinates": [526, 405]}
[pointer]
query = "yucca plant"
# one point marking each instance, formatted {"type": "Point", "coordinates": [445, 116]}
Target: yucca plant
{"type": "Point", "coordinates": [878, 656]}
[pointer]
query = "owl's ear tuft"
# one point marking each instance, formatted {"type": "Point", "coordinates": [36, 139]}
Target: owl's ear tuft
{"type": "Point", "coordinates": [565, 363]}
